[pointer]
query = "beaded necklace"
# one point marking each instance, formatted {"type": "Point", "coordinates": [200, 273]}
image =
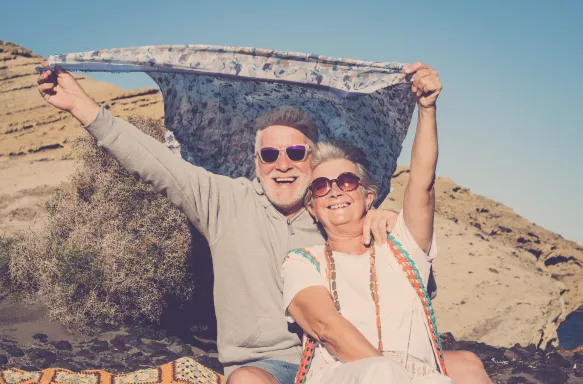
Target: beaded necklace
{"type": "Point", "coordinates": [414, 277]}
{"type": "Point", "coordinates": [374, 286]}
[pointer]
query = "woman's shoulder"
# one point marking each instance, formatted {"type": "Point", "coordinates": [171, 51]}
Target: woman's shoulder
{"type": "Point", "coordinates": [315, 249]}
{"type": "Point", "coordinates": [314, 255]}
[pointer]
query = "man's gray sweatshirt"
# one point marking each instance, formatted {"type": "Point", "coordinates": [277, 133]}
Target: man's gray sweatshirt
{"type": "Point", "coordinates": [248, 239]}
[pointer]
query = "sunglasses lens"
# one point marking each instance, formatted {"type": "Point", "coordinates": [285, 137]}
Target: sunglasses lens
{"type": "Point", "coordinates": [348, 182]}
{"type": "Point", "coordinates": [269, 155]}
{"type": "Point", "coordinates": [320, 186]}
{"type": "Point", "coordinates": [296, 152]}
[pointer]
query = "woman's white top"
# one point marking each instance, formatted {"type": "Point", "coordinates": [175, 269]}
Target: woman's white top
{"type": "Point", "coordinates": [403, 320]}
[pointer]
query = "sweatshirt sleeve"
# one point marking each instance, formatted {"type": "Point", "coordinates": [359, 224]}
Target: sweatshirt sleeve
{"type": "Point", "coordinates": [207, 199]}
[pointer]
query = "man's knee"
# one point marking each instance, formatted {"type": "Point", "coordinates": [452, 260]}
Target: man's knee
{"type": "Point", "coordinates": [251, 375]}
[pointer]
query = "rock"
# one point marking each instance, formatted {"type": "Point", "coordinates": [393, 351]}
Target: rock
{"type": "Point", "coordinates": [86, 353]}
{"type": "Point", "coordinates": [118, 343]}
{"type": "Point", "coordinates": [99, 346]}
{"type": "Point", "coordinates": [29, 368]}
{"type": "Point", "coordinates": [137, 361]}
{"type": "Point", "coordinates": [147, 333]}
{"type": "Point", "coordinates": [163, 357]}
{"type": "Point", "coordinates": [66, 364]}
{"type": "Point", "coordinates": [131, 340]}
{"type": "Point", "coordinates": [14, 351]}
{"type": "Point", "coordinates": [62, 345]}
{"type": "Point", "coordinates": [551, 375]}
{"type": "Point", "coordinates": [153, 348]}
{"type": "Point", "coordinates": [522, 353]}
{"type": "Point", "coordinates": [42, 357]}
{"type": "Point", "coordinates": [510, 355]}
{"type": "Point", "coordinates": [116, 367]}
{"type": "Point", "coordinates": [531, 348]}
{"type": "Point", "coordinates": [178, 347]}
{"type": "Point", "coordinates": [3, 360]}
{"type": "Point", "coordinates": [556, 360]}
{"type": "Point", "coordinates": [518, 380]}
{"type": "Point", "coordinates": [522, 369]}
{"type": "Point", "coordinates": [40, 337]}
{"type": "Point", "coordinates": [211, 362]}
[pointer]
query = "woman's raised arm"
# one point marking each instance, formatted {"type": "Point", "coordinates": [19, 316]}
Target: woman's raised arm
{"type": "Point", "coordinates": [419, 200]}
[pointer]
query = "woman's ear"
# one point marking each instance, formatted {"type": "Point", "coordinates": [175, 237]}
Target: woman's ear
{"type": "Point", "coordinates": [369, 200]}
{"type": "Point", "coordinates": [310, 208]}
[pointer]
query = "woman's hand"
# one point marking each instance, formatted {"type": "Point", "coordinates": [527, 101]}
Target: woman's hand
{"type": "Point", "coordinates": [426, 84]}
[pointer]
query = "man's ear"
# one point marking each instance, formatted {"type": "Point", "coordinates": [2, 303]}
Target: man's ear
{"type": "Point", "coordinates": [257, 173]}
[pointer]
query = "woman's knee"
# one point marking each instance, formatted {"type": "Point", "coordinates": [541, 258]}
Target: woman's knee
{"type": "Point", "coordinates": [464, 367]}
{"type": "Point", "coordinates": [468, 358]}
{"type": "Point", "coordinates": [384, 370]}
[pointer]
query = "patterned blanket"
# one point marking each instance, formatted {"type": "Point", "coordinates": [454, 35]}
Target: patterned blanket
{"type": "Point", "coordinates": [213, 95]}
{"type": "Point", "coordinates": [182, 371]}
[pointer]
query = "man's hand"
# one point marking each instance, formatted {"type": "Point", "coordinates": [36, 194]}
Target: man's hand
{"type": "Point", "coordinates": [62, 91]}
{"type": "Point", "coordinates": [378, 222]}
{"type": "Point", "coordinates": [426, 84]}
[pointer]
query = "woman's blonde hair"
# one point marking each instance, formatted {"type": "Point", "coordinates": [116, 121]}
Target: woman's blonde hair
{"type": "Point", "coordinates": [325, 151]}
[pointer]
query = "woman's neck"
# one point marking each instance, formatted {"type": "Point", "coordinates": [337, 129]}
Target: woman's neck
{"type": "Point", "coordinates": [349, 242]}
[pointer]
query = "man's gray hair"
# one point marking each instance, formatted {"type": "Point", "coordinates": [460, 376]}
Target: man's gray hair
{"type": "Point", "coordinates": [289, 117]}
{"type": "Point", "coordinates": [327, 151]}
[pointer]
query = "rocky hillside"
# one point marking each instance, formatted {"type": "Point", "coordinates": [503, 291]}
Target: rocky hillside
{"type": "Point", "coordinates": [35, 138]}
{"type": "Point", "coordinates": [501, 279]}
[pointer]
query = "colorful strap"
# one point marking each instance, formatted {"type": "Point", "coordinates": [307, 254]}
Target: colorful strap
{"type": "Point", "coordinates": [416, 281]}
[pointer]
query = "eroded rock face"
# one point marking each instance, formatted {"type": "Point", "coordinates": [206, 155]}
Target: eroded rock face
{"type": "Point", "coordinates": [500, 279]}
{"type": "Point", "coordinates": [36, 153]}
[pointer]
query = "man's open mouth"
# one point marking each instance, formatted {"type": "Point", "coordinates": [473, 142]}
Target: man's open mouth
{"type": "Point", "coordinates": [339, 205]}
{"type": "Point", "coordinates": [285, 180]}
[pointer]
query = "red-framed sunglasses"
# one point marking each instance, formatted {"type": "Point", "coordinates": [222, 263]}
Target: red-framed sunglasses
{"type": "Point", "coordinates": [346, 181]}
{"type": "Point", "coordinates": [295, 153]}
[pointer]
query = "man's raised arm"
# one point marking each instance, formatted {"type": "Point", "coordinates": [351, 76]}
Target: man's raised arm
{"type": "Point", "coordinates": [195, 191]}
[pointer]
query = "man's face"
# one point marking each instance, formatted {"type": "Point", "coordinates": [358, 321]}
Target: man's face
{"type": "Point", "coordinates": [285, 182]}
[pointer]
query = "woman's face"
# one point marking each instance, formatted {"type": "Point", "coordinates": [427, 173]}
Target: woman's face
{"type": "Point", "coordinates": [339, 207]}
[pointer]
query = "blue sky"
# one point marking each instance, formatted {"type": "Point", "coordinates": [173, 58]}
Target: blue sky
{"type": "Point", "coordinates": [510, 112]}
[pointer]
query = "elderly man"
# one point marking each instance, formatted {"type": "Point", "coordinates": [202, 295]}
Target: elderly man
{"type": "Point", "coordinates": [249, 225]}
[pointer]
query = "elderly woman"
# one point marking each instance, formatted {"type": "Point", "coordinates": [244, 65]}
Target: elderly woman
{"type": "Point", "coordinates": [365, 311]}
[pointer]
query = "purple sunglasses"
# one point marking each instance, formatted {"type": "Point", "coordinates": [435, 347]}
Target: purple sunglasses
{"type": "Point", "coordinates": [295, 153]}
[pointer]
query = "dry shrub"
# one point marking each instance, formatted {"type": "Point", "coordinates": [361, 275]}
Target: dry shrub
{"type": "Point", "coordinates": [112, 249]}
{"type": "Point", "coordinates": [6, 246]}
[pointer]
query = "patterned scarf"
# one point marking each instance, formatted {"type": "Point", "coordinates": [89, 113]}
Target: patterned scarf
{"type": "Point", "coordinates": [213, 95]}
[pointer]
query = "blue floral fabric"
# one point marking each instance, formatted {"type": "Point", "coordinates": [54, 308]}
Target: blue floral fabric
{"type": "Point", "coordinates": [213, 95]}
